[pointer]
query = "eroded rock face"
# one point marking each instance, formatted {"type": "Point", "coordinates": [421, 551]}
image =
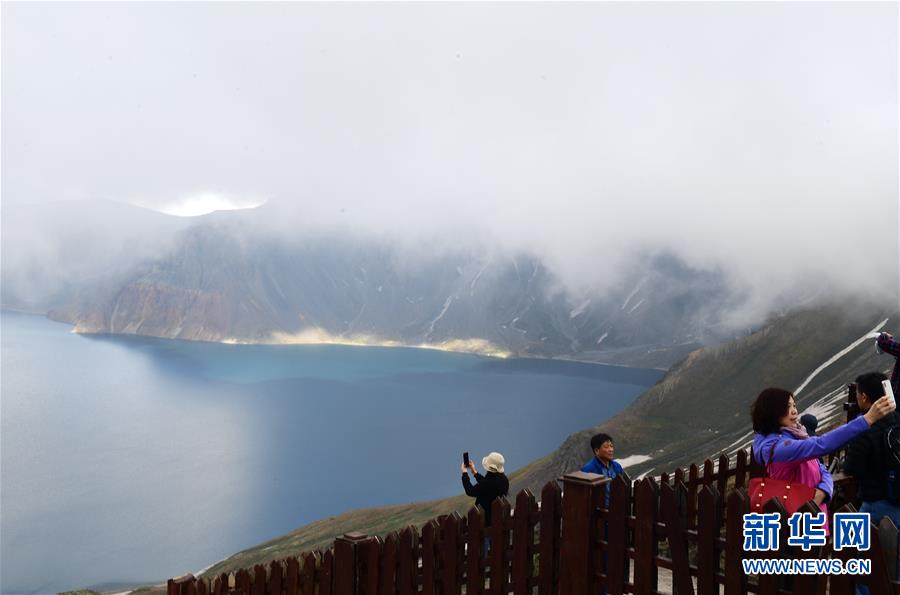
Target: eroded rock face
{"type": "Point", "coordinates": [217, 286]}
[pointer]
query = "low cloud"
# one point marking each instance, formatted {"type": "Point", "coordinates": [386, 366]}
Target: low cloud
{"type": "Point", "coordinates": [755, 138]}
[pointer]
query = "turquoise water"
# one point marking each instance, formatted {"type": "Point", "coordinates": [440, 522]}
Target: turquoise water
{"type": "Point", "coordinates": [128, 460]}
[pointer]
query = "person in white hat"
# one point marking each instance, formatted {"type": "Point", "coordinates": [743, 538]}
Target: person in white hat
{"type": "Point", "coordinates": [488, 487]}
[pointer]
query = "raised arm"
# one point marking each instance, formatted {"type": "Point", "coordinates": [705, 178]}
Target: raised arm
{"type": "Point", "coordinates": [814, 446]}
{"type": "Point", "coordinates": [471, 490]}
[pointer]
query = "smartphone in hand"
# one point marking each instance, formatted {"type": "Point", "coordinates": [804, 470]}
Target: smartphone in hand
{"type": "Point", "coordinates": [466, 459]}
{"type": "Point", "coordinates": [888, 389]}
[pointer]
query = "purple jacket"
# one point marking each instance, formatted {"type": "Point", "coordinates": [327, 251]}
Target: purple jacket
{"type": "Point", "coordinates": [791, 449]}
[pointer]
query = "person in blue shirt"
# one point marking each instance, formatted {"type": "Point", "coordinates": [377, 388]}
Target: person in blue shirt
{"type": "Point", "coordinates": [603, 463]}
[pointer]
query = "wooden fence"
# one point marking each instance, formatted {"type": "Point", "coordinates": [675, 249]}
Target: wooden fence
{"type": "Point", "coordinates": [569, 544]}
{"type": "Point", "coordinates": [686, 528]}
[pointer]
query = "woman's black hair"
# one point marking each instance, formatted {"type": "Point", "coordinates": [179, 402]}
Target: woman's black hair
{"type": "Point", "coordinates": [770, 406]}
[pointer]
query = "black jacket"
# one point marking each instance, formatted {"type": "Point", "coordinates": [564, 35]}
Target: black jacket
{"type": "Point", "coordinates": [487, 489]}
{"type": "Point", "coordinates": [867, 460]}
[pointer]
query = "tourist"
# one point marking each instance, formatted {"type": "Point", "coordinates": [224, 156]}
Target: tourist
{"type": "Point", "coordinates": [868, 459]}
{"type": "Point", "coordinates": [602, 462]}
{"type": "Point", "coordinates": [790, 453]}
{"type": "Point", "coordinates": [488, 487]}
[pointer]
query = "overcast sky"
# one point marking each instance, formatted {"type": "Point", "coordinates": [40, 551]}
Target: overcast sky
{"type": "Point", "coordinates": [761, 137]}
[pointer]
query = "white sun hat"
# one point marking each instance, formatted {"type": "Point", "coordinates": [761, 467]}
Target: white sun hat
{"type": "Point", "coordinates": [493, 462]}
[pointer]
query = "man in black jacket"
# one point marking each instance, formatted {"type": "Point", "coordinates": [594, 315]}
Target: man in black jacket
{"type": "Point", "coordinates": [487, 488]}
{"type": "Point", "coordinates": [868, 459]}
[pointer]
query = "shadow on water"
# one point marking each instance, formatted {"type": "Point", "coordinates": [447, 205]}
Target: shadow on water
{"type": "Point", "coordinates": [605, 372]}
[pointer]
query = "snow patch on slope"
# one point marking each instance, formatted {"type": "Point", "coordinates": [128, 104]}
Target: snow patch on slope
{"type": "Point", "coordinates": [839, 355]}
{"type": "Point", "coordinates": [634, 291]}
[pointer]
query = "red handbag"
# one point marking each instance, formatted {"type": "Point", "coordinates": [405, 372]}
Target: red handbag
{"type": "Point", "coordinates": [791, 494]}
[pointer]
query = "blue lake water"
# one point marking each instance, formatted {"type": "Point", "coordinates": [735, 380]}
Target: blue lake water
{"type": "Point", "coordinates": [128, 460]}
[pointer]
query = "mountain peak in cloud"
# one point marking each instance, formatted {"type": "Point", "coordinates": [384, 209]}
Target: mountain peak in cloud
{"type": "Point", "coordinates": [195, 205]}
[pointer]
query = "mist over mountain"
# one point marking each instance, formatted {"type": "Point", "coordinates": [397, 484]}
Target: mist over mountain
{"type": "Point", "coordinates": [52, 250]}
{"type": "Point", "coordinates": [224, 278]}
{"type": "Point", "coordinates": [247, 276]}
{"type": "Point", "coordinates": [631, 141]}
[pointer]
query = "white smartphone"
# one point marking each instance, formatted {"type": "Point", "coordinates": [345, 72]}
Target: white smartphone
{"type": "Point", "coordinates": [888, 390]}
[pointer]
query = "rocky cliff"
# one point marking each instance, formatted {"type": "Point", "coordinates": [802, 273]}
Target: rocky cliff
{"type": "Point", "coordinates": [221, 283]}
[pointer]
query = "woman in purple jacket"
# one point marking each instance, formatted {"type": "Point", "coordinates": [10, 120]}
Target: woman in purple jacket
{"type": "Point", "coordinates": [784, 447]}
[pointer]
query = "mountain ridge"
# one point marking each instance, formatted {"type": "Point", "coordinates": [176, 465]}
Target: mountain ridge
{"type": "Point", "coordinates": [228, 277]}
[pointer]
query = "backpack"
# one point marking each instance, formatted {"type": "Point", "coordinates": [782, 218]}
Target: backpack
{"type": "Point", "coordinates": [892, 462]}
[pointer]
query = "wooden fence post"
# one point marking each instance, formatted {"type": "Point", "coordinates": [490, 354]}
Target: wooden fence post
{"type": "Point", "coordinates": [276, 577]}
{"type": "Point", "coordinates": [671, 509]}
{"type": "Point", "coordinates": [368, 564]}
{"type": "Point", "coordinates": [617, 562]}
{"type": "Point", "coordinates": [523, 542]}
{"type": "Point", "coordinates": [768, 583]}
{"type": "Point", "coordinates": [707, 531]}
{"type": "Point", "coordinates": [551, 502]}
{"type": "Point", "coordinates": [740, 469]}
{"type": "Point", "coordinates": [220, 585]}
{"type": "Point", "coordinates": [692, 487]}
{"type": "Point", "coordinates": [738, 506]}
{"type": "Point", "coordinates": [408, 564]}
{"type": "Point", "coordinates": [887, 535]}
{"type": "Point", "coordinates": [242, 581]}
{"type": "Point", "coordinates": [310, 566]}
{"type": "Point", "coordinates": [325, 575]}
{"type": "Point", "coordinates": [345, 563]}
{"type": "Point", "coordinates": [259, 580]}
{"type": "Point", "coordinates": [430, 535]}
{"type": "Point", "coordinates": [173, 587]}
{"type": "Point", "coordinates": [475, 552]}
{"type": "Point", "coordinates": [390, 557]}
{"type": "Point", "coordinates": [450, 554]}
{"type": "Point", "coordinates": [292, 576]}
{"type": "Point", "coordinates": [499, 545]}
{"type": "Point", "coordinates": [708, 473]}
{"type": "Point", "coordinates": [722, 484]}
{"type": "Point", "coordinates": [646, 546]}
{"type": "Point", "coordinates": [582, 495]}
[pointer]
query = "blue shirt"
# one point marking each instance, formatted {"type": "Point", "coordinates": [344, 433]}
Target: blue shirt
{"type": "Point", "coordinates": [596, 466]}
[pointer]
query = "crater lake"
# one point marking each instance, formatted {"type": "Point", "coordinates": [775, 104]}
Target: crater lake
{"type": "Point", "coordinates": [127, 460]}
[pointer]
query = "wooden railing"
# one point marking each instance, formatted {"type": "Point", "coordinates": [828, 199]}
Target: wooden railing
{"type": "Point", "coordinates": [686, 527]}
{"type": "Point", "coordinates": [568, 544]}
